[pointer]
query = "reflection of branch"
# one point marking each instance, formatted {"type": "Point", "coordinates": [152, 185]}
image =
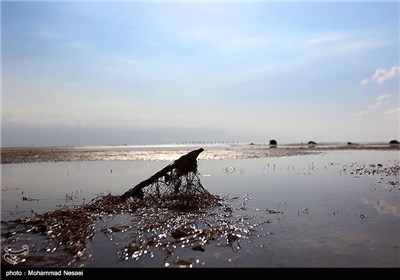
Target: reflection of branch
{"type": "Point", "coordinates": [273, 211]}
{"type": "Point", "coordinates": [24, 198]}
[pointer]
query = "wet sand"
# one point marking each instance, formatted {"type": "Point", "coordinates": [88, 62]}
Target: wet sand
{"type": "Point", "coordinates": [171, 152]}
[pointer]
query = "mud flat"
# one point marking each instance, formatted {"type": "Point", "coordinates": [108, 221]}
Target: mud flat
{"type": "Point", "coordinates": [171, 152]}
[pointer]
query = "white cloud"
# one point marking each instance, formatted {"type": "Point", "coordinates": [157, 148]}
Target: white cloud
{"type": "Point", "coordinates": [362, 113]}
{"type": "Point", "coordinates": [392, 112]}
{"type": "Point", "coordinates": [379, 101]}
{"type": "Point", "coordinates": [383, 98]}
{"type": "Point", "coordinates": [382, 75]}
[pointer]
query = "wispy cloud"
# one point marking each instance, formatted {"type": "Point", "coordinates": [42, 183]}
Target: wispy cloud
{"type": "Point", "coordinates": [392, 112]}
{"type": "Point", "coordinates": [57, 40]}
{"type": "Point", "coordinates": [362, 113]}
{"type": "Point", "coordinates": [382, 75]}
{"type": "Point", "coordinates": [271, 67]}
{"type": "Point", "coordinates": [227, 40]}
{"type": "Point", "coordinates": [325, 39]}
{"type": "Point", "coordinates": [298, 53]}
{"type": "Point", "coordinates": [48, 35]}
{"type": "Point", "coordinates": [383, 98]}
{"type": "Point", "coordinates": [237, 43]}
{"type": "Point", "coordinates": [379, 101]}
{"type": "Point", "coordinates": [357, 45]}
{"type": "Point", "coordinates": [74, 111]}
{"type": "Point", "coordinates": [342, 43]}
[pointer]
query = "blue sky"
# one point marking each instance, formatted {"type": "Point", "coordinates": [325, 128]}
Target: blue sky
{"type": "Point", "coordinates": [88, 73]}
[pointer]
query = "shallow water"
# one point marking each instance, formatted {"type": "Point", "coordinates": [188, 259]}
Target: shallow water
{"type": "Point", "coordinates": [313, 210]}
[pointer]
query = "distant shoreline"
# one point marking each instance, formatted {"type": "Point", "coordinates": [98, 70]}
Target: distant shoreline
{"type": "Point", "coordinates": [13, 155]}
{"type": "Point", "coordinates": [201, 144]}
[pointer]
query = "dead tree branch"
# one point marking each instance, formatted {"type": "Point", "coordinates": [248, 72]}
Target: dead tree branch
{"type": "Point", "coordinates": [181, 173]}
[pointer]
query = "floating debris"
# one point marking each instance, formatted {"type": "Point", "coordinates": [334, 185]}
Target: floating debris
{"type": "Point", "coordinates": [385, 172]}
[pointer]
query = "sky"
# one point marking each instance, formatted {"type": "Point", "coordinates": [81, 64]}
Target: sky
{"type": "Point", "coordinates": [107, 73]}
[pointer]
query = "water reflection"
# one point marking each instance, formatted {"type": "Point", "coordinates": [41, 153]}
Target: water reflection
{"type": "Point", "coordinates": [327, 209]}
{"type": "Point", "coordinates": [383, 207]}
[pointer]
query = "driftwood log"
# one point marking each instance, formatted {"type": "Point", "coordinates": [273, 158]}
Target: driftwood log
{"type": "Point", "coordinates": [171, 176]}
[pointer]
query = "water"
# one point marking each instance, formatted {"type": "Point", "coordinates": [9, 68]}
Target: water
{"type": "Point", "coordinates": [308, 210]}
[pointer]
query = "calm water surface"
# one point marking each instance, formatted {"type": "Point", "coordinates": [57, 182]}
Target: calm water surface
{"type": "Point", "coordinates": [324, 216]}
